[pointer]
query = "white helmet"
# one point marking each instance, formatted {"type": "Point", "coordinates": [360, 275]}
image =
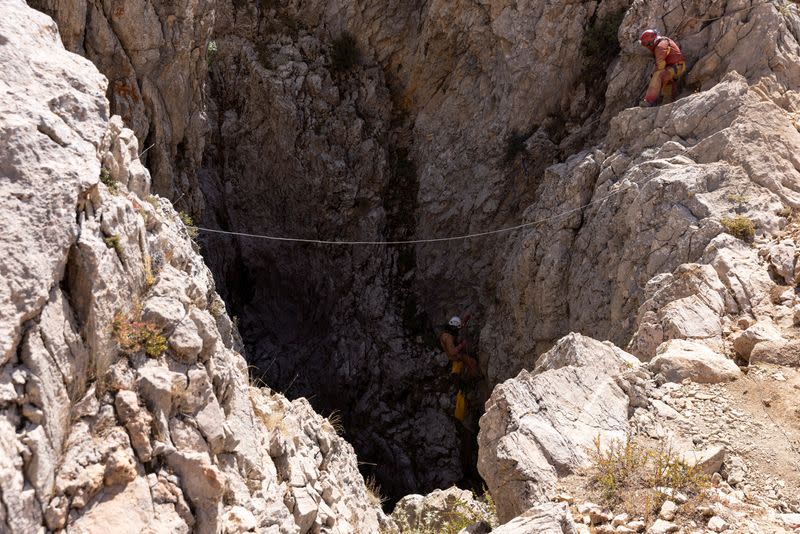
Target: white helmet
{"type": "Point", "coordinates": [455, 321]}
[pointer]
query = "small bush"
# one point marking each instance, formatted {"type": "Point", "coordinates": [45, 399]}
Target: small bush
{"type": "Point", "coordinates": [217, 308]}
{"type": "Point", "coordinates": [187, 221]}
{"type": "Point", "coordinates": [344, 52]}
{"type": "Point", "coordinates": [740, 227]}
{"type": "Point", "coordinates": [631, 477]}
{"type": "Point", "coordinates": [211, 52]}
{"type": "Point", "coordinates": [113, 241]}
{"type": "Point", "coordinates": [515, 145]}
{"type": "Point", "coordinates": [108, 181]}
{"type": "Point", "coordinates": [335, 420]}
{"type": "Point", "coordinates": [138, 336]}
{"type": "Point", "coordinates": [736, 198]}
{"type": "Point", "coordinates": [153, 201]}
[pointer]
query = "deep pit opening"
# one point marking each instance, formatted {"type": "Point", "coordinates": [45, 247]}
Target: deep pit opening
{"type": "Point", "coordinates": [346, 329]}
{"type": "Point", "coordinates": [353, 331]}
{"type": "Point", "coordinates": [289, 349]}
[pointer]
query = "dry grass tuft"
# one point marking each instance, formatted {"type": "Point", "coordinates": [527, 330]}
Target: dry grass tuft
{"type": "Point", "coordinates": [633, 478]}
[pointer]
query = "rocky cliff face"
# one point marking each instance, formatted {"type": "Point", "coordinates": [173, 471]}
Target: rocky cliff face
{"type": "Point", "coordinates": [455, 118]}
{"type": "Point", "coordinates": [124, 405]}
{"type": "Point", "coordinates": [433, 119]}
{"type": "Point", "coordinates": [658, 184]}
{"type": "Point", "coordinates": [154, 57]}
{"type": "Point", "coordinates": [409, 142]}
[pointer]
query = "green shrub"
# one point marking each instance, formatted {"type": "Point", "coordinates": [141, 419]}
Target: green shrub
{"type": "Point", "coordinates": [108, 181]}
{"type": "Point", "coordinates": [740, 227]}
{"type": "Point", "coordinates": [138, 336]}
{"type": "Point", "coordinates": [344, 52]}
{"type": "Point", "coordinates": [113, 241]}
{"type": "Point", "coordinates": [211, 52]}
{"type": "Point", "coordinates": [187, 221]}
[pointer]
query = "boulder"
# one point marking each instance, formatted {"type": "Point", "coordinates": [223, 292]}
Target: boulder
{"type": "Point", "coordinates": [185, 340]}
{"type": "Point", "coordinates": [708, 460]}
{"type": "Point", "coordinates": [761, 331]}
{"type": "Point", "coordinates": [546, 518]}
{"type": "Point", "coordinates": [434, 510]}
{"type": "Point", "coordinates": [680, 359]}
{"type": "Point", "coordinates": [582, 351]}
{"type": "Point", "coordinates": [539, 427]}
{"type": "Point", "coordinates": [779, 352]}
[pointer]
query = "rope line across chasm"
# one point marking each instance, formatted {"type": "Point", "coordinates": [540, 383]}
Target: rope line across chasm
{"type": "Point", "coordinates": [433, 239]}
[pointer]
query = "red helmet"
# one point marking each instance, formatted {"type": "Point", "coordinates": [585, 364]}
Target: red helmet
{"type": "Point", "coordinates": [648, 37]}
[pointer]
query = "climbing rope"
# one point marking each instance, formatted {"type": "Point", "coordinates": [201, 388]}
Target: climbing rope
{"type": "Point", "coordinates": [434, 239]}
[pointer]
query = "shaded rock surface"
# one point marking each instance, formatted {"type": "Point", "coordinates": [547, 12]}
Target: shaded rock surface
{"type": "Point", "coordinates": [111, 419]}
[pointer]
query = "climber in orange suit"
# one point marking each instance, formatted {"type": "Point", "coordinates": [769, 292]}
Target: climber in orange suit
{"type": "Point", "coordinates": [464, 367]}
{"type": "Point", "coordinates": [455, 351]}
{"type": "Point", "coordinates": [670, 66]}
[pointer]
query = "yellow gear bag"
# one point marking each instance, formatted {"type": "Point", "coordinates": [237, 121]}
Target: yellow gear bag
{"type": "Point", "coordinates": [457, 366]}
{"type": "Point", "coordinates": [461, 406]}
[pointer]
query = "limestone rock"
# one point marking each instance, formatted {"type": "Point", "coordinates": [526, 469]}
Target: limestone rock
{"type": "Point", "coordinates": [238, 520]}
{"type": "Point", "coordinates": [754, 334]}
{"type": "Point", "coordinates": [185, 340]}
{"type": "Point", "coordinates": [163, 311]}
{"type": "Point", "coordinates": [668, 510]}
{"type": "Point", "coordinates": [434, 510]}
{"type": "Point", "coordinates": [663, 527]}
{"type": "Point", "coordinates": [717, 524]}
{"type": "Point", "coordinates": [780, 352]}
{"type": "Point", "coordinates": [539, 427]}
{"type": "Point", "coordinates": [680, 359]}
{"type": "Point", "coordinates": [708, 460]}
{"type": "Point", "coordinates": [581, 351]}
{"type": "Point", "coordinates": [548, 518]}
{"type": "Point", "coordinates": [53, 122]}
{"type": "Point", "coordinates": [137, 421]}
{"type": "Point", "coordinates": [154, 54]}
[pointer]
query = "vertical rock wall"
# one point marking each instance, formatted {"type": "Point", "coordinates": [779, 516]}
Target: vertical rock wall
{"type": "Point", "coordinates": [154, 56]}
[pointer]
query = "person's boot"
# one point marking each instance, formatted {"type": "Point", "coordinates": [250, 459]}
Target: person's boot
{"type": "Point", "coordinates": [646, 104]}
